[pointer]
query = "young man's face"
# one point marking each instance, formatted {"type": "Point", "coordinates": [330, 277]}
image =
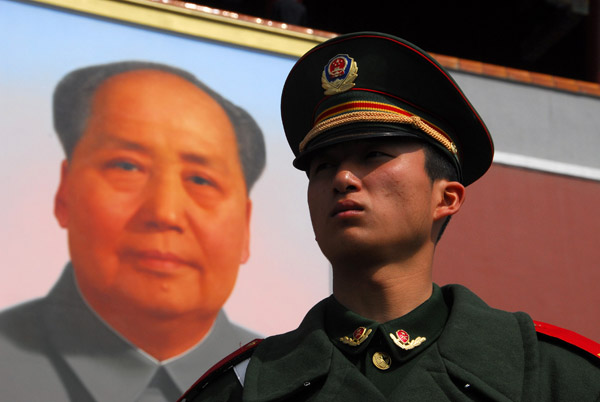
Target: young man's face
{"type": "Point", "coordinates": [371, 196]}
{"type": "Point", "coordinates": [154, 199]}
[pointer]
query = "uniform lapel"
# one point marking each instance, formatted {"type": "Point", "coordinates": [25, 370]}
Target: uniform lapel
{"type": "Point", "coordinates": [485, 348]}
{"type": "Point", "coordinates": [305, 362]}
{"type": "Point", "coordinates": [427, 381]}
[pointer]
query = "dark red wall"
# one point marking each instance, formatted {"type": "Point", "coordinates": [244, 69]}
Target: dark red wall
{"type": "Point", "coordinates": [529, 241]}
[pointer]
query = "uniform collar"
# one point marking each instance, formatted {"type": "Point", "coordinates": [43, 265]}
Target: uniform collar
{"type": "Point", "coordinates": [405, 336]}
{"type": "Point", "coordinates": [108, 366]}
{"type": "Point", "coordinates": [282, 364]}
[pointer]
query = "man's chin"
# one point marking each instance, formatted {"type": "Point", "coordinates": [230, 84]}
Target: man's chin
{"type": "Point", "coordinates": [343, 244]}
{"type": "Point", "coordinates": [166, 308]}
{"type": "Point", "coordinates": [148, 308]}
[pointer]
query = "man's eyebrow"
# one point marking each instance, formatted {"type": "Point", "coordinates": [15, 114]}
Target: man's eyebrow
{"type": "Point", "coordinates": [195, 158]}
{"type": "Point", "coordinates": [215, 163]}
{"type": "Point", "coordinates": [116, 142]}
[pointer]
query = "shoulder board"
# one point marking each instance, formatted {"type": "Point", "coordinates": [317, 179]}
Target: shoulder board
{"type": "Point", "coordinates": [225, 364]}
{"type": "Point", "coordinates": [568, 336]}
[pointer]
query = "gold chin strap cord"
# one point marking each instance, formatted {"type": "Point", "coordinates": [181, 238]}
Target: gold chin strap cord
{"type": "Point", "coordinates": [379, 117]}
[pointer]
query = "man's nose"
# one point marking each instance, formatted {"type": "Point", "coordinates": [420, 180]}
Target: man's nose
{"type": "Point", "coordinates": [346, 181]}
{"type": "Point", "coordinates": [163, 206]}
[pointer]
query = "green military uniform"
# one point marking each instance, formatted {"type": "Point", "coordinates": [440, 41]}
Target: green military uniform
{"type": "Point", "coordinates": [471, 352]}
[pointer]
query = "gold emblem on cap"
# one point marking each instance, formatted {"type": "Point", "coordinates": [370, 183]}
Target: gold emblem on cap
{"type": "Point", "coordinates": [403, 341]}
{"type": "Point", "coordinates": [336, 68]}
{"type": "Point", "coordinates": [358, 336]}
{"type": "Point", "coordinates": [382, 361]}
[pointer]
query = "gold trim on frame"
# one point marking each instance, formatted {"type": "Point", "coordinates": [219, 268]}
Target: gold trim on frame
{"type": "Point", "coordinates": [203, 22]}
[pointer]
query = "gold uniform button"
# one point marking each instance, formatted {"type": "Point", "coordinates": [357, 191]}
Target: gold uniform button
{"type": "Point", "coordinates": [382, 361]}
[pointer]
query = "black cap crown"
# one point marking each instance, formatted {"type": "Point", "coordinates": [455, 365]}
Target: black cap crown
{"type": "Point", "coordinates": [370, 84]}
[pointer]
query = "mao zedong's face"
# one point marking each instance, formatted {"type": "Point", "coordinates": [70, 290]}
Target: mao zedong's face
{"type": "Point", "coordinates": [154, 199]}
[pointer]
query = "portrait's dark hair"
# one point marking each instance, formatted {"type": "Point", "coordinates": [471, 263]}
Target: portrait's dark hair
{"type": "Point", "coordinates": [438, 166]}
{"type": "Point", "coordinates": [73, 98]}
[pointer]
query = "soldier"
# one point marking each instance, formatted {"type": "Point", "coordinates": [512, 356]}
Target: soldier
{"type": "Point", "coordinates": [389, 142]}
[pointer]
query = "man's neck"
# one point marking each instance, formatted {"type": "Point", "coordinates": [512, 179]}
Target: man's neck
{"type": "Point", "coordinates": [160, 337]}
{"type": "Point", "coordinates": [383, 292]}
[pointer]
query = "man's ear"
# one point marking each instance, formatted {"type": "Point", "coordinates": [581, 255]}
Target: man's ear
{"type": "Point", "coordinates": [452, 197]}
{"type": "Point", "coordinates": [61, 206]}
{"type": "Point", "coordinates": [246, 246]}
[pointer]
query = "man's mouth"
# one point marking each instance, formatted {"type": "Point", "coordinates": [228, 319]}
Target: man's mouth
{"type": "Point", "coordinates": [158, 260]}
{"type": "Point", "coordinates": [346, 208]}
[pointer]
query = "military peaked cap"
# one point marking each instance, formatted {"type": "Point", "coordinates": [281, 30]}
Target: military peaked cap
{"type": "Point", "coordinates": [369, 84]}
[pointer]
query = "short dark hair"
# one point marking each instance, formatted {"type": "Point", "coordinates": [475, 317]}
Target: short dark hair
{"type": "Point", "coordinates": [73, 98]}
{"type": "Point", "coordinates": [438, 166]}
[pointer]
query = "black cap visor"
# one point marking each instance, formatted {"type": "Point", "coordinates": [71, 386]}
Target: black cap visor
{"type": "Point", "coordinates": [362, 131]}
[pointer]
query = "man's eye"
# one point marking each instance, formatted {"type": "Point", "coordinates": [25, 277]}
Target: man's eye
{"type": "Point", "coordinates": [201, 181]}
{"type": "Point", "coordinates": [319, 166]}
{"type": "Point", "coordinates": [376, 154]}
{"type": "Point", "coordinates": [124, 165]}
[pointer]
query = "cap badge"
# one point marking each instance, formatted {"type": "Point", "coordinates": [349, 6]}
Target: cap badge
{"type": "Point", "coordinates": [339, 74]}
{"type": "Point", "coordinates": [403, 341]}
{"type": "Point", "coordinates": [358, 336]}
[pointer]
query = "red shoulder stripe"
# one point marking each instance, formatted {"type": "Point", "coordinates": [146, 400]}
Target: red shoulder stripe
{"type": "Point", "coordinates": [224, 364]}
{"type": "Point", "coordinates": [568, 336]}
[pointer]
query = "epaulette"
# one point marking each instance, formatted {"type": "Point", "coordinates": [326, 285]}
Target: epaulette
{"type": "Point", "coordinates": [568, 336]}
{"type": "Point", "coordinates": [224, 365]}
